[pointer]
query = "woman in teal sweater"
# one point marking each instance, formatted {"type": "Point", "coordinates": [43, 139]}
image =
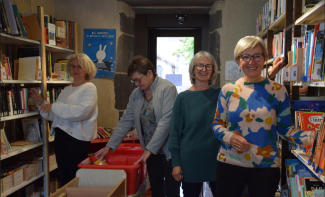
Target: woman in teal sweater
{"type": "Point", "coordinates": [191, 142]}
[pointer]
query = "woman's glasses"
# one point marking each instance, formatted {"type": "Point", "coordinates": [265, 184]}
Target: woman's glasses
{"type": "Point", "coordinates": [201, 66]}
{"type": "Point", "coordinates": [257, 57]}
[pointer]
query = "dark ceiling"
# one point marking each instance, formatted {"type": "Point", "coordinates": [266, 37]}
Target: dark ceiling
{"type": "Point", "coordinates": [170, 6]}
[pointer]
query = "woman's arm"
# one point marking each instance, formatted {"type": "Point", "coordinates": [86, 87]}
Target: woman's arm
{"type": "Point", "coordinates": [284, 124]}
{"type": "Point", "coordinates": [176, 130]}
{"type": "Point", "coordinates": [86, 106]}
{"type": "Point", "coordinates": [162, 129]}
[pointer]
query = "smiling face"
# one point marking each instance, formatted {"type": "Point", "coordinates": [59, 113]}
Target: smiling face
{"type": "Point", "coordinates": [77, 70]}
{"type": "Point", "coordinates": [204, 74]}
{"type": "Point", "coordinates": [252, 69]}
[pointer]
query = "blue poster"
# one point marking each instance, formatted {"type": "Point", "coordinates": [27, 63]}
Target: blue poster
{"type": "Point", "coordinates": [99, 45]}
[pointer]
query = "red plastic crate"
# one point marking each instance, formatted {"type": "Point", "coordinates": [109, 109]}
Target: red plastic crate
{"type": "Point", "coordinates": [134, 173]}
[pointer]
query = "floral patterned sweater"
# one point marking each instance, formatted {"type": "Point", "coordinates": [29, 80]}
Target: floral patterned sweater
{"type": "Point", "coordinates": [255, 111]}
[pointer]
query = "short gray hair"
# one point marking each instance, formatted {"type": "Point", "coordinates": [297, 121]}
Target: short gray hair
{"type": "Point", "coordinates": [85, 62]}
{"type": "Point", "coordinates": [194, 61]}
{"type": "Point", "coordinates": [249, 42]}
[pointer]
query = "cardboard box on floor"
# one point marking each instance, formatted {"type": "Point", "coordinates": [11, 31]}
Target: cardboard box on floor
{"type": "Point", "coordinates": [95, 183]}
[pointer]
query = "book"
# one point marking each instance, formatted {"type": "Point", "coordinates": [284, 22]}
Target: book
{"type": "Point", "coordinates": [59, 68]}
{"type": "Point", "coordinates": [11, 17]}
{"type": "Point", "coordinates": [29, 68]}
{"type": "Point", "coordinates": [19, 20]}
{"type": "Point", "coordinates": [314, 187]}
{"type": "Point", "coordinates": [32, 27]}
{"type": "Point", "coordinates": [61, 40]}
{"type": "Point", "coordinates": [51, 34]}
{"type": "Point", "coordinates": [310, 120]}
{"type": "Point", "coordinates": [31, 129]}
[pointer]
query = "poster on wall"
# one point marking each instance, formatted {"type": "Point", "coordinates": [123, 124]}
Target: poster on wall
{"type": "Point", "coordinates": [99, 45]}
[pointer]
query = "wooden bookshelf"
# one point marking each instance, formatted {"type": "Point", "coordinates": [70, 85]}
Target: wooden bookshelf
{"type": "Point", "coordinates": [20, 82]}
{"type": "Point", "coordinates": [19, 150]}
{"type": "Point", "coordinates": [59, 82]}
{"type": "Point", "coordinates": [279, 24]}
{"type": "Point", "coordinates": [23, 184]}
{"type": "Point", "coordinates": [311, 84]}
{"type": "Point", "coordinates": [5, 118]}
{"type": "Point", "coordinates": [56, 49]}
{"type": "Point", "coordinates": [313, 16]}
{"type": "Point", "coordinates": [17, 40]}
{"type": "Point", "coordinates": [303, 157]}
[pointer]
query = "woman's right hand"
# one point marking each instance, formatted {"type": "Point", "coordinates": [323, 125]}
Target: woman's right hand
{"type": "Point", "coordinates": [36, 96]}
{"type": "Point", "coordinates": [177, 173]}
{"type": "Point", "coordinates": [102, 153]}
{"type": "Point", "coordinates": [239, 143]}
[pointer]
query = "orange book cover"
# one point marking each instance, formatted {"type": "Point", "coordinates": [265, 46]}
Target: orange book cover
{"type": "Point", "coordinates": [310, 120]}
{"type": "Point", "coordinates": [61, 40]}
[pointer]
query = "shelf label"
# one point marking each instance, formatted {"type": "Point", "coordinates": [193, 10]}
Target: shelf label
{"type": "Point", "coordinates": [294, 73]}
{"type": "Point", "coordinates": [317, 72]}
{"type": "Point", "coordinates": [285, 74]}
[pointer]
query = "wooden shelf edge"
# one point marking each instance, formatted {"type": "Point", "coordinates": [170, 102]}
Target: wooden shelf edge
{"type": "Point", "coordinates": [299, 154]}
{"type": "Point", "coordinates": [23, 184]}
{"type": "Point", "coordinates": [5, 118]}
{"type": "Point", "coordinates": [311, 84]}
{"type": "Point", "coordinates": [59, 82]}
{"type": "Point", "coordinates": [53, 167]}
{"type": "Point", "coordinates": [18, 38]}
{"type": "Point", "coordinates": [300, 20]}
{"type": "Point", "coordinates": [23, 149]}
{"type": "Point", "coordinates": [20, 81]}
{"type": "Point", "coordinates": [57, 49]}
{"type": "Point", "coordinates": [277, 21]}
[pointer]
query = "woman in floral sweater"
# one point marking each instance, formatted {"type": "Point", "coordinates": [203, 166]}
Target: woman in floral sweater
{"type": "Point", "coordinates": [250, 113]}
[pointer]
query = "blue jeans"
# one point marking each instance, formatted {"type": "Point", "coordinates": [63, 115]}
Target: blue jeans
{"type": "Point", "coordinates": [162, 182]}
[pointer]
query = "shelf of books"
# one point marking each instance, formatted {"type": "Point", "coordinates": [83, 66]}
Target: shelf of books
{"type": "Point", "coordinates": [20, 149]}
{"type": "Point", "coordinates": [5, 118]}
{"type": "Point", "coordinates": [312, 84]}
{"type": "Point", "coordinates": [303, 157]}
{"type": "Point", "coordinates": [279, 23]}
{"type": "Point", "coordinates": [17, 40]}
{"type": "Point", "coordinates": [20, 82]}
{"type": "Point", "coordinates": [56, 49]}
{"type": "Point", "coordinates": [313, 16]}
{"type": "Point", "coordinates": [23, 184]}
{"type": "Point", "coordinates": [59, 82]}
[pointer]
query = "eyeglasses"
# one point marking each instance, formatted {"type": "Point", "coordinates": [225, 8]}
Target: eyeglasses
{"type": "Point", "coordinates": [257, 57]}
{"type": "Point", "coordinates": [138, 81]}
{"type": "Point", "coordinates": [201, 66]}
{"type": "Point", "coordinates": [72, 67]}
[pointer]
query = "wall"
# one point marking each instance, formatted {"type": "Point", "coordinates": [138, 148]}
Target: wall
{"type": "Point", "coordinates": [107, 14]}
{"type": "Point", "coordinates": [231, 20]}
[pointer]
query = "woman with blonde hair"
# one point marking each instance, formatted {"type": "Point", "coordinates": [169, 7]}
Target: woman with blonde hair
{"type": "Point", "coordinates": [250, 113]}
{"type": "Point", "coordinates": [191, 142]}
{"type": "Point", "coordinates": [74, 116]}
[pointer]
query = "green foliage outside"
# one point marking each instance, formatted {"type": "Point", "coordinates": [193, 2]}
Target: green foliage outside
{"type": "Point", "coordinates": [186, 49]}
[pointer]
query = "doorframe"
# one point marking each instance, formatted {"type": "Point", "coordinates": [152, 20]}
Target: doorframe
{"type": "Point", "coordinates": [172, 32]}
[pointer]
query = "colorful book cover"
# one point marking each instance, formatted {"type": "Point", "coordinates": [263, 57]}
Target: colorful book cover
{"type": "Point", "coordinates": [314, 187]}
{"type": "Point", "coordinates": [310, 120]}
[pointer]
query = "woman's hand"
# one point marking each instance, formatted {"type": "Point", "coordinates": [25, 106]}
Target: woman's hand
{"type": "Point", "coordinates": [46, 108]}
{"type": "Point", "coordinates": [102, 153]}
{"type": "Point", "coordinates": [239, 143]}
{"type": "Point", "coordinates": [143, 157]}
{"type": "Point", "coordinates": [277, 66]}
{"type": "Point", "coordinates": [36, 96]}
{"type": "Point", "coordinates": [177, 173]}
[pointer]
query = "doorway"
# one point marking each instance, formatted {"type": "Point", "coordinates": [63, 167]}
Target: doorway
{"type": "Point", "coordinates": [171, 51]}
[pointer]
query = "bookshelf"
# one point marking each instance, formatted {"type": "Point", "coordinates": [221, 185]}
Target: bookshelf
{"type": "Point", "coordinates": [313, 16]}
{"type": "Point", "coordinates": [11, 42]}
{"type": "Point", "coordinates": [23, 184]}
{"type": "Point", "coordinates": [303, 157]}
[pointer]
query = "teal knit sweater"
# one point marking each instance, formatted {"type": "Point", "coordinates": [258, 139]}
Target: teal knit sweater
{"type": "Point", "coordinates": [191, 140]}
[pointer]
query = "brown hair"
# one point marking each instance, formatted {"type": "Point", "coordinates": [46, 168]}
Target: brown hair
{"type": "Point", "coordinates": [141, 65]}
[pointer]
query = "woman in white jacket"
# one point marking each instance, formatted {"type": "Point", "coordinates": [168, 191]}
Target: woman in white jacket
{"type": "Point", "coordinates": [74, 116]}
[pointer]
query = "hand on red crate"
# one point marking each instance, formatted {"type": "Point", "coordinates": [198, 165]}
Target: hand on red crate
{"type": "Point", "coordinates": [102, 153]}
{"type": "Point", "coordinates": [143, 157]}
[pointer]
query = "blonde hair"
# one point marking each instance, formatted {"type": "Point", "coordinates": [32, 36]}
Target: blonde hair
{"type": "Point", "coordinates": [85, 62]}
{"type": "Point", "coordinates": [194, 61]}
{"type": "Point", "coordinates": [249, 42]}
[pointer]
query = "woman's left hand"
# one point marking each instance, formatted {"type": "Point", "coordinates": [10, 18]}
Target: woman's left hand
{"type": "Point", "coordinates": [143, 157]}
{"type": "Point", "coordinates": [45, 108]}
{"type": "Point", "coordinates": [277, 66]}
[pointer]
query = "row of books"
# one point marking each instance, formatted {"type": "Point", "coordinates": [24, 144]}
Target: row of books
{"type": "Point", "coordinates": [105, 133]}
{"type": "Point", "coordinates": [53, 93]}
{"type": "Point", "coordinates": [16, 100]}
{"type": "Point", "coordinates": [306, 60]}
{"type": "Point", "coordinates": [270, 12]}
{"type": "Point", "coordinates": [11, 20]}
{"type": "Point", "coordinates": [57, 32]}
{"type": "Point", "coordinates": [301, 181]}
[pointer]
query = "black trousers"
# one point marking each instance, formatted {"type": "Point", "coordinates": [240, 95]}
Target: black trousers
{"type": "Point", "coordinates": [261, 182]}
{"type": "Point", "coordinates": [69, 152]}
{"type": "Point", "coordinates": [194, 189]}
{"type": "Point", "coordinates": [162, 182]}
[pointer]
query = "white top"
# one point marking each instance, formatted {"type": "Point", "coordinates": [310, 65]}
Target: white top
{"type": "Point", "coordinates": [75, 112]}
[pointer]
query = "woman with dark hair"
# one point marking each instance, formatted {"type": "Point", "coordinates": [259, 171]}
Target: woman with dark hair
{"type": "Point", "coordinates": [149, 110]}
